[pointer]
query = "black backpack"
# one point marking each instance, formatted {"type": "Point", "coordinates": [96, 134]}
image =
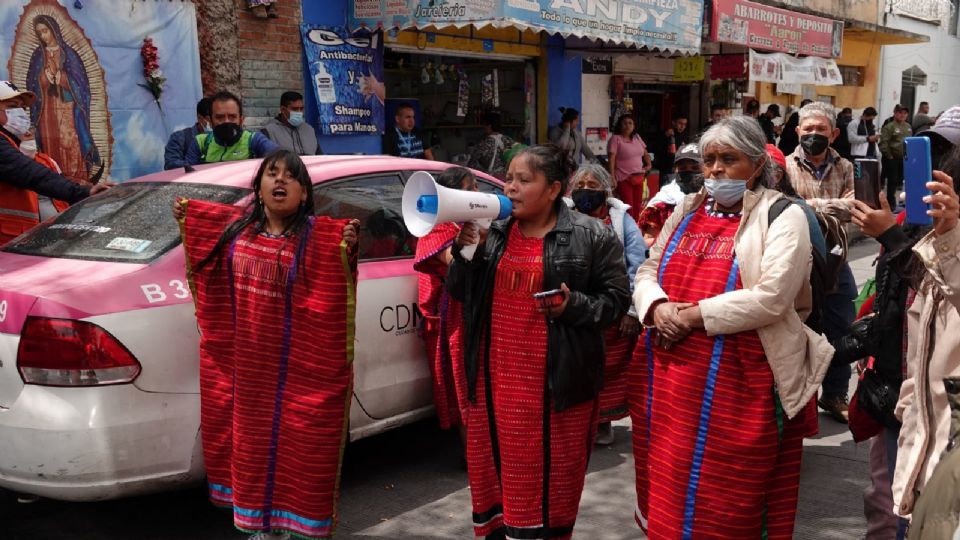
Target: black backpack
{"type": "Point", "coordinates": [825, 272]}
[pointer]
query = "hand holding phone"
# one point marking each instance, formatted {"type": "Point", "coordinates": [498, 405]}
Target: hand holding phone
{"type": "Point", "coordinates": [917, 172]}
{"type": "Point", "coordinates": [552, 303]}
{"type": "Point", "coordinates": [944, 203]}
{"type": "Point", "coordinates": [866, 182]}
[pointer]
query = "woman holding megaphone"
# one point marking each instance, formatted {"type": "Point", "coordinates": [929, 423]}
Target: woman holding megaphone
{"type": "Point", "coordinates": [543, 286]}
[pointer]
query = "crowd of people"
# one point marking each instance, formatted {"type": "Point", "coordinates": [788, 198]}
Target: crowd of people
{"type": "Point", "coordinates": [714, 307]}
{"type": "Point", "coordinates": [742, 322]}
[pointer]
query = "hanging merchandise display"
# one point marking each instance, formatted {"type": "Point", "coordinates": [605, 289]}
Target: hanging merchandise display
{"type": "Point", "coordinates": [463, 94]}
{"type": "Point", "coordinates": [347, 73]}
{"type": "Point", "coordinates": [783, 68]}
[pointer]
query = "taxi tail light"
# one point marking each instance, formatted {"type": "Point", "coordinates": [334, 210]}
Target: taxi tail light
{"type": "Point", "coordinates": [64, 352]}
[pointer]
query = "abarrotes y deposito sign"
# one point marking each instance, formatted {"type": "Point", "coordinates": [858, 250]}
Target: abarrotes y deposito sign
{"type": "Point", "coordinates": [346, 74]}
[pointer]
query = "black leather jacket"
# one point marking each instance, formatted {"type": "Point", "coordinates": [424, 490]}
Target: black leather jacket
{"type": "Point", "coordinates": [581, 252]}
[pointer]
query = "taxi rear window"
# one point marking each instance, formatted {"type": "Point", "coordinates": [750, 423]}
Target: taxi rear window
{"type": "Point", "coordinates": [130, 223]}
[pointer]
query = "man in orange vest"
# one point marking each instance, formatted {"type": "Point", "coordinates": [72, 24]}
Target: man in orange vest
{"type": "Point", "coordinates": [23, 177]}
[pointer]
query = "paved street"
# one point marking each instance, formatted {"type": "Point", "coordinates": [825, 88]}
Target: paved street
{"type": "Point", "coordinates": [408, 484]}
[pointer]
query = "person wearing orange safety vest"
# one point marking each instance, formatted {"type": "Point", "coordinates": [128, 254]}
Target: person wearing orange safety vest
{"type": "Point", "coordinates": [22, 178]}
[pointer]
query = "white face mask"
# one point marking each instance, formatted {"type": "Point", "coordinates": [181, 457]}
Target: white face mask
{"type": "Point", "coordinates": [29, 148]}
{"type": "Point", "coordinates": [18, 122]}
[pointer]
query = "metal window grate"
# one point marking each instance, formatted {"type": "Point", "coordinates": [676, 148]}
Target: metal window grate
{"type": "Point", "coordinates": [914, 76]}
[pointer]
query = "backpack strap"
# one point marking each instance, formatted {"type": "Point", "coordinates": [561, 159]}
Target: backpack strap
{"type": "Point", "coordinates": [777, 208]}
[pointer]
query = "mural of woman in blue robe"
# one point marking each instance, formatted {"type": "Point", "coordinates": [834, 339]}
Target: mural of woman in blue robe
{"type": "Point", "coordinates": [62, 108]}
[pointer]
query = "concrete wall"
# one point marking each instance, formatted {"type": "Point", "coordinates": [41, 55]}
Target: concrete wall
{"type": "Point", "coordinates": [939, 59]}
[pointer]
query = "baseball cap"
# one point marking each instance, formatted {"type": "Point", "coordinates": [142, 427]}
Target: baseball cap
{"type": "Point", "coordinates": [688, 151]}
{"type": "Point", "coordinates": [948, 125]}
{"type": "Point", "coordinates": [8, 90]}
{"type": "Point", "coordinates": [777, 156]}
{"type": "Point", "coordinates": [775, 109]}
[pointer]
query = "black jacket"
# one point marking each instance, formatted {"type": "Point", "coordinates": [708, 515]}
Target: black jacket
{"type": "Point", "coordinates": [20, 171]}
{"type": "Point", "coordinates": [789, 140]}
{"type": "Point", "coordinates": [581, 252]}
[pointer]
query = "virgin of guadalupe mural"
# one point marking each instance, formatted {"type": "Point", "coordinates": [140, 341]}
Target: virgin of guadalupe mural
{"type": "Point", "coordinates": [54, 59]}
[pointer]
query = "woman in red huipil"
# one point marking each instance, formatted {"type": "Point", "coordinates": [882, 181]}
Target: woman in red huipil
{"type": "Point", "coordinates": [442, 315]}
{"type": "Point", "coordinates": [535, 365]}
{"type": "Point", "coordinates": [732, 369]}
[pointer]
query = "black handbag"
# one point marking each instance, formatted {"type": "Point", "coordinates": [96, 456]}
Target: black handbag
{"type": "Point", "coordinates": [878, 397]}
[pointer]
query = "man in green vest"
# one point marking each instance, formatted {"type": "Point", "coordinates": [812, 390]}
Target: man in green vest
{"type": "Point", "coordinates": [229, 141]}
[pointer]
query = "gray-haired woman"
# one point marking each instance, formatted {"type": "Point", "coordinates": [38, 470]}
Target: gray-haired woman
{"type": "Point", "coordinates": [592, 192]}
{"type": "Point", "coordinates": [734, 370]}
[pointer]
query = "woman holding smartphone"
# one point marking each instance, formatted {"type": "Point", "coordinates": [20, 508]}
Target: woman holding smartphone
{"type": "Point", "coordinates": [535, 366]}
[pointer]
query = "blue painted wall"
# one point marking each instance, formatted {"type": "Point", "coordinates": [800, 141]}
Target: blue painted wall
{"type": "Point", "coordinates": [563, 80]}
{"type": "Point", "coordinates": [332, 13]}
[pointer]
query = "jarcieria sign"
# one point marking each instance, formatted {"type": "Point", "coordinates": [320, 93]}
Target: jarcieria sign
{"type": "Point", "coordinates": [773, 29]}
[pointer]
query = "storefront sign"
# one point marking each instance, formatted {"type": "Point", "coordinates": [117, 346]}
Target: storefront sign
{"type": "Point", "coordinates": [668, 25]}
{"type": "Point", "coordinates": [346, 71]}
{"type": "Point", "coordinates": [597, 65]}
{"type": "Point", "coordinates": [688, 69]}
{"type": "Point", "coordinates": [785, 69]}
{"type": "Point", "coordinates": [768, 28]}
{"type": "Point", "coordinates": [727, 66]}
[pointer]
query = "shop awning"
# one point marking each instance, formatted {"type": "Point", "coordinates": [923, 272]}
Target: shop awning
{"type": "Point", "coordinates": [881, 35]}
{"type": "Point", "coordinates": [670, 26]}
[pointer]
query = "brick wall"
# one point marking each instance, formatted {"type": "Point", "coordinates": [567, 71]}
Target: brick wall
{"type": "Point", "coordinates": [259, 59]}
{"type": "Point", "coordinates": [270, 60]}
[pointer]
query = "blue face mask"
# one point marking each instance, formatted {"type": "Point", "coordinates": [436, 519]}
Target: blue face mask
{"type": "Point", "coordinates": [728, 193]}
{"type": "Point", "coordinates": [296, 118]}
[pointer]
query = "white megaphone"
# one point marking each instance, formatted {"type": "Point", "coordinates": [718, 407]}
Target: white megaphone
{"type": "Point", "coordinates": [425, 204]}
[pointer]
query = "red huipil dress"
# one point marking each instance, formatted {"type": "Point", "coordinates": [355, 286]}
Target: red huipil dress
{"type": "Point", "coordinates": [526, 461]}
{"type": "Point", "coordinates": [639, 394]}
{"type": "Point", "coordinates": [276, 319]}
{"type": "Point", "coordinates": [613, 397]}
{"type": "Point", "coordinates": [723, 459]}
{"type": "Point", "coordinates": [442, 325]}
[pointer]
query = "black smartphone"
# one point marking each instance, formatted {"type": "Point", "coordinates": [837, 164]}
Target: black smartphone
{"type": "Point", "coordinates": [866, 181]}
{"type": "Point", "coordinates": [548, 299]}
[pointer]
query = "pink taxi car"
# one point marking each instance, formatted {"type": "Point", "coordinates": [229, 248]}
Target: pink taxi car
{"type": "Point", "coordinates": [99, 391]}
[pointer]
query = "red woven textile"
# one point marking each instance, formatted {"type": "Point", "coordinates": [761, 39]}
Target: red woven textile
{"type": "Point", "coordinates": [639, 394]}
{"type": "Point", "coordinates": [276, 318]}
{"type": "Point", "coordinates": [613, 397]}
{"type": "Point", "coordinates": [442, 326]}
{"type": "Point", "coordinates": [541, 454]}
{"type": "Point", "coordinates": [724, 462]}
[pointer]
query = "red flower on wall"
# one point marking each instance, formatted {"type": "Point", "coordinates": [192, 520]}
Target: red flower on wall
{"type": "Point", "coordinates": [151, 69]}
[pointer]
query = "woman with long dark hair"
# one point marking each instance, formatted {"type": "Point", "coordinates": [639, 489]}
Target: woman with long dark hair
{"type": "Point", "coordinates": [567, 136]}
{"type": "Point", "coordinates": [539, 293]}
{"type": "Point", "coordinates": [275, 291]}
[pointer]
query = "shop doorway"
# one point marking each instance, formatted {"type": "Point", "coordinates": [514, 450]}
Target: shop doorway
{"type": "Point", "coordinates": [910, 79]}
{"type": "Point", "coordinates": [450, 95]}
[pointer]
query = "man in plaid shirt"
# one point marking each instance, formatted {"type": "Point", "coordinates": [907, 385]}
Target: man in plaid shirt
{"type": "Point", "coordinates": [825, 180]}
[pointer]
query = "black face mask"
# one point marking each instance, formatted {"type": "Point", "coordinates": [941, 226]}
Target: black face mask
{"type": "Point", "coordinates": [689, 181]}
{"type": "Point", "coordinates": [814, 144]}
{"type": "Point", "coordinates": [228, 133]}
{"type": "Point", "coordinates": [588, 200]}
